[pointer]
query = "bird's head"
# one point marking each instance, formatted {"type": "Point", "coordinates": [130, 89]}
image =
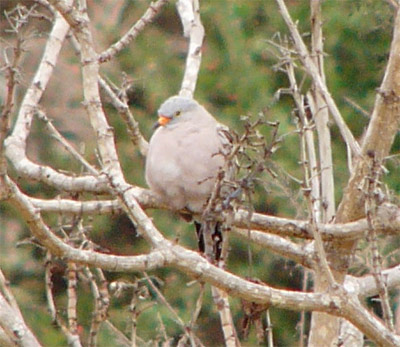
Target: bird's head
{"type": "Point", "coordinates": [174, 108]}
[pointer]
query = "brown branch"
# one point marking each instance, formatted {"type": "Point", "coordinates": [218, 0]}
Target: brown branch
{"type": "Point", "coordinates": [37, 87]}
{"type": "Point", "coordinates": [56, 318]}
{"type": "Point", "coordinates": [49, 292]}
{"type": "Point", "coordinates": [307, 132]}
{"type": "Point", "coordinates": [221, 301]}
{"type": "Point", "coordinates": [119, 337]}
{"type": "Point", "coordinates": [11, 72]}
{"type": "Point", "coordinates": [383, 126]}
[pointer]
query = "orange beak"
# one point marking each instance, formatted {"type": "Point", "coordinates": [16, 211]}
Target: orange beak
{"type": "Point", "coordinates": [162, 120]}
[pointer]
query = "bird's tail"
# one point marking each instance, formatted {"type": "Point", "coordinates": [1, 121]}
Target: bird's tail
{"type": "Point", "coordinates": [215, 230]}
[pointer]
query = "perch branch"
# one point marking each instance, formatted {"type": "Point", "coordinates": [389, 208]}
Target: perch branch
{"type": "Point", "coordinates": [198, 267]}
{"type": "Point", "coordinates": [388, 217]}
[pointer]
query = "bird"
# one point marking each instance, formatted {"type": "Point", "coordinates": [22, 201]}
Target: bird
{"type": "Point", "coordinates": [186, 152]}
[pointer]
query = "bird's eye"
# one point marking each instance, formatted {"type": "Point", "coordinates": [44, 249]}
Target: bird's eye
{"type": "Point", "coordinates": [177, 113]}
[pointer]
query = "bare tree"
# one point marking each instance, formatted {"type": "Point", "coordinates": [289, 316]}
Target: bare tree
{"type": "Point", "coordinates": [322, 244]}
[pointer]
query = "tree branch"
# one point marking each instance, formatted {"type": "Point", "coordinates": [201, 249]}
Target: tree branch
{"type": "Point", "coordinates": [198, 267]}
{"type": "Point", "coordinates": [192, 28]}
{"type": "Point", "coordinates": [301, 254]}
{"type": "Point", "coordinates": [133, 32]}
{"type": "Point", "coordinates": [11, 320]}
{"type": "Point", "coordinates": [314, 73]}
{"type": "Point", "coordinates": [388, 217]}
{"type": "Point", "coordinates": [384, 124]}
{"type": "Point", "coordinates": [15, 144]}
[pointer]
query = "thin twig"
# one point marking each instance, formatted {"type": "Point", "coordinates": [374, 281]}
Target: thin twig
{"type": "Point", "coordinates": [62, 140]}
{"type": "Point", "coordinates": [314, 73]}
{"type": "Point", "coordinates": [357, 107]}
{"type": "Point", "coordinates": [131, 123]}
{"type": "Point", "coordinates": [163, 330]}
{"type": "Point", "coordinates": [321, 260]}
{"type": "Point", "coordinates": [120, 338]}
{"type": "Point", "coordinates": [270, 336]}
{"type": "Point", "coordinates": [302, 323]}
{"type": "Point", "coordinates": [134, 314]}
{"type": "Point", "coordinates": [371, 203]}
{"type": "Point", "coordinates": [49, 286]}
{"type": "Point", "coordinates": [165, 302]}
{"type": "Point", "coordinates": [13, 329]}
{"type": "Point", "coordinates": [194, 341]}
{"type": "Point", "coordinates": [101, 302]}
{"type": "Point", "coordinates": [11, 72]}
{"type": "Point", "coordinates": [221, 301]}
{"type": "Point", "coordinates": [56, 318]}
{"type": "Point", "coordinates": [309, 140]}
{"type": "Point", "coordinates": [133, 32]}
{"type": "Point", "coordinates": [121, 105]}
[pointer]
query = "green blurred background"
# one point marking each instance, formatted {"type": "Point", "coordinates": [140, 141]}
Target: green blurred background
{"type": "Point", "coordinates": [237, 78]}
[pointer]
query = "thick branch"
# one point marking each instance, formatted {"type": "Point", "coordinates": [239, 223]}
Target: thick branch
{"type": "Point", "coordinates": [192, 28]}
{"type": "Point", "coordinates": [12, 324]}
{"type": "Point", "coordinates": [195, 265]}
{"type": "Point", "coordinates": [15, 327]}
{"type": "Point", "coordinates": [15, 144]}
{"type": "Point", "coordinates": [366, 285]}
{"type": "Point", "coordinates": [61, 249]}
{"type": "Point", "coordinates": [384, 125]}
{"type": "Point", "coordinates": [388, 216]}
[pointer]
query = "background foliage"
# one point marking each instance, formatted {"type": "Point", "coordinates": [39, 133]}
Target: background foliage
{"type": "Point", "coordinates": [237, 78]}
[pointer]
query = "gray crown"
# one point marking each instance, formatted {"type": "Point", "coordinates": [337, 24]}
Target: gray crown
{"type": "Point", "coordinates": [177, 103]}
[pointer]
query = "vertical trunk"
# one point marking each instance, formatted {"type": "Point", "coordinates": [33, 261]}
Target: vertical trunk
{"type": "Point", "coordinates": [323, 326]}
{"type": "Point", "coordinates": [384, 124]}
